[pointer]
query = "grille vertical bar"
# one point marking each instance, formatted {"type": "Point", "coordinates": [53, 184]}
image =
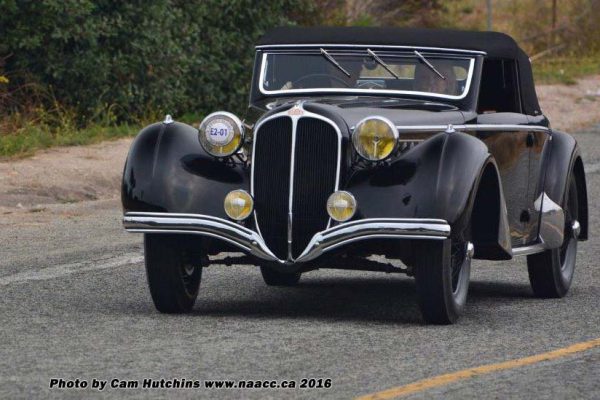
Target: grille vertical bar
{"type": "Point", "coordinates": [315, 172]}
{"type": "Point", "coordinates": [272, 155]}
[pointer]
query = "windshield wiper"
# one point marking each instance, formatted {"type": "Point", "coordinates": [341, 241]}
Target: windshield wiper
{"type": "Point", "coordinates": [429, 64]}
{"type": "Point", "coordinates": [332, 60]}
{"type": "Point", "coordinates": [382, 63]}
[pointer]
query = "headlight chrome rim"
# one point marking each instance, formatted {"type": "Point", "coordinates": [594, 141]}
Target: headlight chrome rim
{"type": "Point", "coordinates": [229, 206]}
{"type": "Point", "coordinates": [226, 148]}
{"type": "Point", "coordinates": [349, 196]}
{"type": "Point", "coordinates": [356, 133]}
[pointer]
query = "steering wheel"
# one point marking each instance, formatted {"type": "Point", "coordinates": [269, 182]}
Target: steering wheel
{"type": "Point", "coordinates": [371, 85]}
{"type": "Point", "coordinates": [312, 76]}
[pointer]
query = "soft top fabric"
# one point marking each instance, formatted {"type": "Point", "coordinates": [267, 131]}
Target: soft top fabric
{"type": "Point", "coordinates": [496, 44]}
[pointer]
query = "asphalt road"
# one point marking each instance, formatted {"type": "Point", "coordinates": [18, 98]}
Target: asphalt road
{"type": "Point", "coordinates": [74, 304]}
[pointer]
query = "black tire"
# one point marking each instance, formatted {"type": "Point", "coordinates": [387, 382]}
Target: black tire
{"type": "Point", "coordinates": [173, 279]}
{"type": "Point", "coordinates": [442, 275]}
{"type": "Point", "coordinates": [277, 278]}
{"type": "Point", "coordinates": [551, 272]}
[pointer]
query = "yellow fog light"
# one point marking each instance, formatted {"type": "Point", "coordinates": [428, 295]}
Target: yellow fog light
{"type": "Point", "coordinates": [238, 204]}
{"type": "Point", "coordinates": [375, 138]}
{"type": "Point", "coordinates": [341, 206]}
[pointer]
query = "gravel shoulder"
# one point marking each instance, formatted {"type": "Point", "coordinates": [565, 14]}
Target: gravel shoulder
{"type": "Point", "coordinates": [80, 173]}
{"type": "Point", "coordinates": [63, 175]}
{"type": "Point", "coordinates": [572, 108]}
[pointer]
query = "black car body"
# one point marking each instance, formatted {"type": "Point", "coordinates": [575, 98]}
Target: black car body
{"type": "Point", "coordinates": [432, 140]}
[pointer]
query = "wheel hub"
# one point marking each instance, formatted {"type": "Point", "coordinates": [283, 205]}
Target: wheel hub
{"type": "Point", "coordinates": [575, 229]}
{"type": "Point", "coordinates": [470, 250]}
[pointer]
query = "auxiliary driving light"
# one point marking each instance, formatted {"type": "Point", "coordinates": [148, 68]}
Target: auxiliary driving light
{"type": "Point", "coordinates": [341, 206]}
{"type": "Point", "coordinates": [238, 204]}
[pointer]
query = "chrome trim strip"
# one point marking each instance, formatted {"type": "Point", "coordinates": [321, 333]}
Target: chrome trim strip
{"type": "Point", "coordinates": [250, 242]}
{"type": "Point", "coordinates": [291, 196]}
{"type": "Point", "coordinates": [472, 127]}
{"type": "Point", "coordinates": [295, 113]}
{"type": "Point", "coordinates": [290, 235]}
{"type": "Point", "coordinates": [502, 127]}
{"type": "Point", "coordinates": [527, 250]}
{"type": "Point", "coordinates": [381, 46]}
{"type": "Point", "coordinates": [266, 92]}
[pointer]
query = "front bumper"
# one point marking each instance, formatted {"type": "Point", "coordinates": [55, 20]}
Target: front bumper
{"type": "Point", "coordinates": [252, 243]}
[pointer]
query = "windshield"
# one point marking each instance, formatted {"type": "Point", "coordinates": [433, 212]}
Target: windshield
{"type": "Point", "coordinates": [366, 71]}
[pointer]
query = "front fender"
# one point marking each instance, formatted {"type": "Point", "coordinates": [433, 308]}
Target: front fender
{"type": "Point", "coordinates": [436, 179]}
{"type": "Point", "coordinates": [167, 170]}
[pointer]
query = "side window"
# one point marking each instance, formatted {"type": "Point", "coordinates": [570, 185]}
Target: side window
{"type": "Point", "coordinates": [499, 91]}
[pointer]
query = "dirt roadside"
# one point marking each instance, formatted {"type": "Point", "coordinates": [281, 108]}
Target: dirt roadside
{"type": "Point", "coordinates": [72, 174]}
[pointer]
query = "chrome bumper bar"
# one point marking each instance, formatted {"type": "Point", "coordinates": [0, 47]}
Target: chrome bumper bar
{"type": "Point", "coordinates": [251, 242]}
{"type": "Point", "coordinates": [374, 228]}
{"type": "Point", "coordinates": [242, 237]}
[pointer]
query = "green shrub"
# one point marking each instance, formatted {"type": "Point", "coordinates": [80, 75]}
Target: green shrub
{"type": "Point", "coordinates": [132, 59]}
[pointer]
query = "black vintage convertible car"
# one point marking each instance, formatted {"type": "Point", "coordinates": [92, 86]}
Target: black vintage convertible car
{"type": "Point", "coordinates": [425, 148]}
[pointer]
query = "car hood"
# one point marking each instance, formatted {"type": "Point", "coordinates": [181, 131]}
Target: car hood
{"type": "Point", "coordinates": [401, 112]}
{"type": "Point", "coordinates": [399, 116]}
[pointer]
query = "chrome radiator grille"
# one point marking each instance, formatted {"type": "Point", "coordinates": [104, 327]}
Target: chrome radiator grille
{"type": "Point", "coordinates": [295, 169]}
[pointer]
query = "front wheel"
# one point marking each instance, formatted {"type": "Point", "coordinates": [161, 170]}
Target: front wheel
{"type": "Point", "coordinates": [442, 275]}
{"type": "Point", "coordinates": [173, 276]}
{"type": "Point", "coordinates": [551, 272]}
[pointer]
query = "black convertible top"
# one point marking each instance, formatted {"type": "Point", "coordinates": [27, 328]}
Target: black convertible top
{"type": "Point", "coordinates": [494, 44]}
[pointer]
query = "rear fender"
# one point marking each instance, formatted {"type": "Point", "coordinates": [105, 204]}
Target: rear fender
{"type": "Point", "coordinates": [564, 159]}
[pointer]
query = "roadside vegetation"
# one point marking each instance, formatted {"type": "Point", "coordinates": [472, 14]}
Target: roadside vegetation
{"type": "Point", "coordinates": [79, 71]}
{"type": "Point", "coordinates": [75, 72]}
{"type": "Point", "coordinates": [31, 137]}
{"type": "Point", "coordinates": [566, 69]}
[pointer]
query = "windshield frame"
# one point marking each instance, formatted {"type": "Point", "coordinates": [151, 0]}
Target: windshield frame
{"type": "Point", "coordinates": [450, 53]}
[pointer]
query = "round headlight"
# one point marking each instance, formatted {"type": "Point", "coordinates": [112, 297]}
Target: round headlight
{"type": "Point", "coordinates": [341, 206]}
{"type": "Point", "coordinates": [375, 138]}
{"type": "Point", "coordinates": [221, 134]}
{"type": "Point", "coordinates": [238, 204]}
